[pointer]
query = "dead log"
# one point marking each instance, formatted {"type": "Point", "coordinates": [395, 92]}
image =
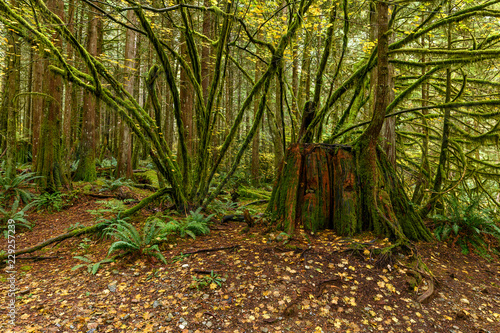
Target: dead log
{"type": "Point", "coordinates": [74, 233]}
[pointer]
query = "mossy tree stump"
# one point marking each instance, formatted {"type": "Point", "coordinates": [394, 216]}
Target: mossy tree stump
{"type": "Point", "coordinates": [318, 187]}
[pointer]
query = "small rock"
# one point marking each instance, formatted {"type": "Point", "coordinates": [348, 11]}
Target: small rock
{"type": "Point", "coordinates": [205, 296]}
{"type": "Point", "coordinates": [209, 324]}
{"type": "Point", "coordinates": [112, 286]}
{"type": "Point", "coordinates": [115, 271]}
{"type": "Point", "coordinates": [169, 317]}
{"type": "Point", "coordinates": [465, 300]}
{"type": "Point", "coordinates": [156, 304]}
{"type": "Point", "coordinates": [182, 326]}
{"type": "Point", "coordinates": [185, 265]}
{"type": "Point", "coordinates": [25, 291]}
{"type": "Point", "coordinates": [125, 317]}
{"type": "Point", "coordinates": [264, 330]}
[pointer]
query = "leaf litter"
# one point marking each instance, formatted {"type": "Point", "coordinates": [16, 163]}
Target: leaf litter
{"type": "Point", "coordinates": [231, 281]}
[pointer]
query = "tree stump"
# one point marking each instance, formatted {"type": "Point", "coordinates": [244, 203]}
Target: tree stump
{"type": "Point", "coordinates": [318, 187]}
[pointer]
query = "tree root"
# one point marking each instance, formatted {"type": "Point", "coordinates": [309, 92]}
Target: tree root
{"type": "Point", "coordinates": [420, 271]}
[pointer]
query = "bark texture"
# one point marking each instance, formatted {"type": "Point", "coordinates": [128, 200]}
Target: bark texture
{"type": "Point", "coordinates": [319, 187]}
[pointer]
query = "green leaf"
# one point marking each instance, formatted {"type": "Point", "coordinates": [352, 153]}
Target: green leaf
{"type": "Point", "coordinates": [74, 268]}
{"type": "Point", "coordinates": [83, 259]}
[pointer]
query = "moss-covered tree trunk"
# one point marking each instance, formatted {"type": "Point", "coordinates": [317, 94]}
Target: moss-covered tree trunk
{"type": "Point", "coordinates": [319, 186]}
{"type": "Point", "coordinates": [49, 165]}
{"type": "Point", "coordinates": [348, 189]}
{"type": "Point", "coordinates": [86, 170]}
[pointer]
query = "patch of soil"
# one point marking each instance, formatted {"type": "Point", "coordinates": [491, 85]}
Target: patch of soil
{"type": "Point", "coordinates": [243, 282]}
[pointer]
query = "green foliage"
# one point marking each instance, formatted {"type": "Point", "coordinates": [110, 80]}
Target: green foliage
{"type": "Point", "coordinates": [131, 240]}
{"type": "Point", "coordinates": [180, 257]}
{"type": "Point", "coordinates": [16, 214]}
{"type": "Point", "coordinates": [113, 184]}
{"type": "Point", "coordinates": [253, 193]}
{"type": "Point", "coordinates": [213, 281]}
{"type": "Point", "coordinates": [222, 207]}
{"type": "Point", "coordinates": [114, 206]}
{"type": "Point", "coordinates": [75, 226]}
{"type": "Point", "coordinates": [84, 244]}
{"type": "Point", "coordinates": [142, 179]}
{"type": "Point", "coordinates": [193, 225]}
{"type": "Point", "coordinates": [14, 187]}
{"type": "Point", "coordinates": [92, 267]}
{"type": "Point", "coordinates": [469, 226]}
{"type": "Point", "coordinates": [50, 201]}
{"type": "Point", "coordinates": [106, 163]}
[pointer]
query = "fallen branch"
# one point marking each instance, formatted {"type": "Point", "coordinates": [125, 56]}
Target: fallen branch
{"type": "Point", "coordinates": [145, 187]}
{"type": "Point", "coordinates": [254, 203]}
{"type": "Point", "coordinates": [146, 201]}
{"type": "Point", "coordinates": [36, 258]}
{"type": "Point", "coordinates": [213, 249]}
{"type": "Point", "coordinates": [102, 196]}
{"type": "Point", "coordinates": [73, 233]}
{"type": "Point", "coordinates": [202, 271]}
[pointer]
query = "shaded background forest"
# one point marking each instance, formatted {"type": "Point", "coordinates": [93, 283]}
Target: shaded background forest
{"type": "Point", "coordinates": [213, 92]}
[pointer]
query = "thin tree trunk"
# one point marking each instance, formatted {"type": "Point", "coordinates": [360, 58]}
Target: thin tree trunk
{"type": "Point", "coordinates": [12, 104]}
{"type": "Point", "coordinates": [124, 160]}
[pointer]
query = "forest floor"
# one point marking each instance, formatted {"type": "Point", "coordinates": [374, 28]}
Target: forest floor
{"type": "Point", "coordinates": [232, 281]}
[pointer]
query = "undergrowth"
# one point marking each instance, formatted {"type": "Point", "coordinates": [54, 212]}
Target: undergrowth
{"type": "Point", "coordinates": [469, 226]}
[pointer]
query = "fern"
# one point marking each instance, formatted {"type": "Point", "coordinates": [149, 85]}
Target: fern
{"type": "Point", "coordinates": [469, 226]}
{"type": "Point", "coordinates": [130, 240]}
{"type": "Point", "coordinates": [187, 227]}
{"type": "Point", "coordinates": [50, 201]}
{"type": "Point", "coordinates": [14, 187]}
{"type": "Point", "coordinates": [16, 214]}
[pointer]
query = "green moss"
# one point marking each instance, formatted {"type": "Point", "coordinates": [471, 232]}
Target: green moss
{"type": "Point", "coordinates": [252, 193]}
{"type": "Point", "coordinates": [26, 268]}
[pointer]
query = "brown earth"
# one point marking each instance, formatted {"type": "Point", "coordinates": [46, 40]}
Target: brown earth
{"type": "Point", "coordinates": [260, 282]}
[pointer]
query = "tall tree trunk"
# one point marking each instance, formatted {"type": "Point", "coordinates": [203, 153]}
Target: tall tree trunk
{"type": "Point", "coordinates": [37, 107]}
{"type": "Point", "coordinates": [255, 170]}
{"type": "Point", "coordinates": [86, 170]}
{"type": "Point", "coordinates": [441, 174]}
{"type": "Point", "coordinates": [68, 98]}
{"type": "Point", "coordinates": [187, 103]}
{"type": "Point", "coordinates": [124, 160]}
{"type": "Point", "coordinates": [389, 127]}
{"type": "Point", "coordinates": [11, 103]}
{"type": "Point", "coordinates": [49, 165]}
{"type": "Point", "coordinates": [205, 51]}
{"type": "Point", "coordinates": [424, 175]}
